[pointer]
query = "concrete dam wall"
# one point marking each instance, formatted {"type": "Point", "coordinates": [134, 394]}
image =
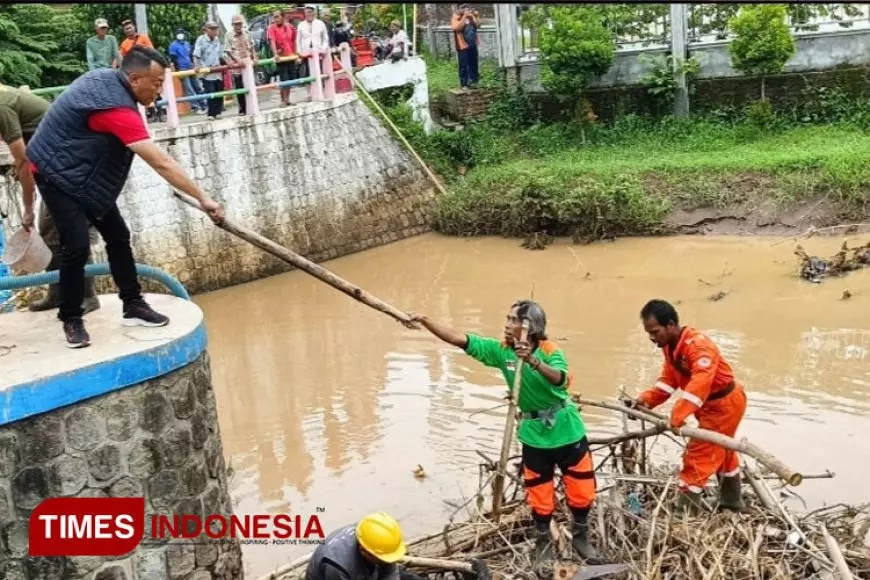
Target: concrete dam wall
{"type": "Point", "coordinates": [324, 179]}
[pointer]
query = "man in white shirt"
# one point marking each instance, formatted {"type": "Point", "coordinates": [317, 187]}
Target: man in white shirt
{"type": "Point", "coordinates": [398, 42]}
{"type": "Point", "coordinates": [311, 34]}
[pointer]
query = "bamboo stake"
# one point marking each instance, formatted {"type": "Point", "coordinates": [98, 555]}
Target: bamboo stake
{"type": "Point", "coordinates": [742, 446]}
{"type": "Point", "coordinates": [306, 266]}
{"type": "Point", "coordinates": [438, 563]}
{"type": "Point", "coordinates": [398, 133]}
{"type": "Point", "coordinates": [836, 555]}
{"type": "Point", "coordinates": [507, 438]}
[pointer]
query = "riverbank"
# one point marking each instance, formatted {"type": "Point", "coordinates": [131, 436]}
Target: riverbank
{"type": "Point", "coordinates": [682, 178]}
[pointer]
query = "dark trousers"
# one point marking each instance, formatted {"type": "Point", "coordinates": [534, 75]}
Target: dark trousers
{"type": "Point", "coordinates": [215, 105]}
{"type": "Point", "coordinates": [239, 83]}
{"type": "Point", "coordinates": [468, 66]}
{"type": "Point", "coordinates": [72, 219]}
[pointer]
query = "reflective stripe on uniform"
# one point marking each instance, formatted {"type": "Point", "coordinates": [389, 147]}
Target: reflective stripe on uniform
{"type": "Point", "coordinates": [665, 387]}
{"type": "Point", "coordinates": [692, 398]}
{"type": "Point", "coordinates": [731, 473]}
{"type": "Point", "coordinates": [692, 488]}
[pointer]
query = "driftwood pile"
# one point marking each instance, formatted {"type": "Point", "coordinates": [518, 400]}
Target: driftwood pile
{"type": "Point", "coordinates": [816, 269]}
{"type": "Point", "coordinates": [632, 523]}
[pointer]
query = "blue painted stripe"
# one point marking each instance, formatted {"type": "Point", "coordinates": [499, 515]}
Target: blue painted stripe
{"type": "Point", "coordinates": [40, 396]}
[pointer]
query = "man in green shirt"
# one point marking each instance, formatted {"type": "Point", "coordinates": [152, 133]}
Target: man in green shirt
{"type": "Point", "coordinates": [102, 48]}
{"type": "Point", "coordinates": [20, 114]}
{"type": "Point", "coordinates": [551, 429]}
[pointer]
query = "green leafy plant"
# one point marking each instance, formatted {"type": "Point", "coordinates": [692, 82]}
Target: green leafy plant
{"type": "Point", "coordinates": [30, 53]}
{"type": "Point", "coordinates": [661, 81]}
{"type": "Point", "coordinates": [763, 42]}
{"type": "Point", "coordinates": [575, 49]}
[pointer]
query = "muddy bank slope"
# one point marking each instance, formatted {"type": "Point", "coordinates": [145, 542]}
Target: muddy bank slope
{"type": "Point", "coordinates": [782, 183]}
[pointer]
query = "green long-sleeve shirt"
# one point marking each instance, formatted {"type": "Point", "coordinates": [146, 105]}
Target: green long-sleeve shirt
{"type": "Point", "coordinates": [101, 53]}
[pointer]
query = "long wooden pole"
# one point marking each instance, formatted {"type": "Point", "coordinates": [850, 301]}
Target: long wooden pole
{"type": "Point", "coordinates": [306, 266]}
{"type": "Point", "coordinates": [742, 446]}
{"type": "Point", "coordinates": [396, 129]}
{"type": "Point", "coordinates": [508, 436]}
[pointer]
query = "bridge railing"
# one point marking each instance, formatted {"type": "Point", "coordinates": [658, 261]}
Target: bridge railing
{"type": "Point", "coordinates": [321, 78]}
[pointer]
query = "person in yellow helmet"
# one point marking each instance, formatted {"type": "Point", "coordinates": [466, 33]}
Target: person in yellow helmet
{"type": "Point", "coordinates": [367, 550]}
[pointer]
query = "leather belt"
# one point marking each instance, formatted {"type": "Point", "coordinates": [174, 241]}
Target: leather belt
{"type": "Point", "coordinates": [723, 393]}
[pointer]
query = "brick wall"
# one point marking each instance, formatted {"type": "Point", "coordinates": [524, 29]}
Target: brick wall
{"type": "Point", "coordinates": [324, 179]}
{"type": "Point", "coordinates": [459, 105]}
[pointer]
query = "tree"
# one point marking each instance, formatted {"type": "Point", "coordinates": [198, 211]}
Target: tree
{"type": "Point", "coordinates": [251, 11]}
{"type": "Point", "coordinates": [575, 48]}
{"type": "Point", "coordinates": [763, 42]}
{"type": "Point", "coordinates": [30, 53]}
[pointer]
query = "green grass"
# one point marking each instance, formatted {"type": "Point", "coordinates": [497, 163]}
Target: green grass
{"type": "Point", "coordinates": [443, 75]}
{"type": "Point", "coordinates": [630, 178]}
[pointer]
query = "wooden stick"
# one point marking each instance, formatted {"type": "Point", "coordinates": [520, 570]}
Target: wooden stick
{"type": "Point", "coordinates": [438, 563]}
{"type": "Point", "coordinates": [742, 446]}
{"type": "Point", "coordinates": [306, 266]}
{"type": "Point", "coordinates": [840, 565]}
{"type": "Point", "coordinates": [398, 133]}
{"type": "Point", "coordinates": [508, 436]}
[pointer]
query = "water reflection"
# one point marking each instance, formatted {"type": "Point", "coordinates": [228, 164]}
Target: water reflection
{"type": "Point", "coordinates": [324, 402]}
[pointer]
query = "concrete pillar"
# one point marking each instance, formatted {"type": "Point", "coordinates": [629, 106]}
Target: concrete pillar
{"type": "Point", "coordinates": [316, 87]}
{"type": "Point", "coordinates": [141, 17]}
{"type": "Point", "coordinates": [249, 80]}
{"type": "Point", "coordinates": [679, 51]}
{"type": "Point", "coordinates": [133, 416]}
{"type": "Point", "coordinates": [169, 95]}
{"type": "Point", "coordinates": [507, 34]}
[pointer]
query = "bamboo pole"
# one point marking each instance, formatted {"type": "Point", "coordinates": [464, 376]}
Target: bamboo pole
{"type": "Point", "coordinates": [508, 436]}
{"type": "Point", "coordinates": [438, 563]}
{"type": "Point", "coordinates": [396, 129]}
{"type": "Point", "coordinates": [306, 266]}
{"type": "Point", "coordinates": [742, 446]}
{"type": "Point", "coordinates": [836, 555]}
{"type": "Point", "coordinates": [414, 32]}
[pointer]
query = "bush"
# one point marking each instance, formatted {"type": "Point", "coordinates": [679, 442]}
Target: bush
{"type": "Point", "coordinates": [763, 42]}
{"type": "Point", "coordinates": [575, 49]}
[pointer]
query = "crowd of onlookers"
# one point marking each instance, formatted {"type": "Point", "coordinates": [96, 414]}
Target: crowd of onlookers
{"type": "Point", "coordinates": [286, 36]}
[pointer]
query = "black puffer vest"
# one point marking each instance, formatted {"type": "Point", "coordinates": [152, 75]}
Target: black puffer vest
{"type": "Point", "coordinates": [89, 167]}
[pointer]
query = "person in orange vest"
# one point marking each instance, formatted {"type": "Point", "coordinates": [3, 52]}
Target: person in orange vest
{"type": "Point", "coordinates": [696, 372]}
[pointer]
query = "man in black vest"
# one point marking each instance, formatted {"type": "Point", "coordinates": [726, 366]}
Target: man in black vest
{"type": "Point", "coordinates": [80, 158]}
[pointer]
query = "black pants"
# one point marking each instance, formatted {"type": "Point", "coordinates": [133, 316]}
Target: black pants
{"type": "Point", "coordinates": [215, 104]}
{"type": "Point", "coordinates": [468, 70]}
{"type": "Point", "coordinates": [71, 219]}
{"type": "Point", "coordinates": [239, 83]}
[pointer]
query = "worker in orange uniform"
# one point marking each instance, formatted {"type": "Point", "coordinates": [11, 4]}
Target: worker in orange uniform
{"type": "Point", "coordinates": [703, 381]}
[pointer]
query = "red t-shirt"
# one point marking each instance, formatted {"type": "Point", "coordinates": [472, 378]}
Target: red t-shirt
{"type": "Point", "coordinates": [284, 37]}
{"type": "Point", "coordinates": [125, 124]}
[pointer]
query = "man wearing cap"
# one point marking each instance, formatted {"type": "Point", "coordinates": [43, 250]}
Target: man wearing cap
{"type": "Point", "coordinates": [238, 47]}
{"type": "Point", "coordinates": [207, 54]}
{"type": "Point", "coordinates": [102, 48]}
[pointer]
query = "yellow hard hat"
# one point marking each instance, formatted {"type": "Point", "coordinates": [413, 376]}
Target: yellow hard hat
{"type": "Point", "coordinates": [381, 536]}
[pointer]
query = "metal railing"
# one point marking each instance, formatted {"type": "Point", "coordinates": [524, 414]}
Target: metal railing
{"type": "Point", "coordinates": [320, 80]}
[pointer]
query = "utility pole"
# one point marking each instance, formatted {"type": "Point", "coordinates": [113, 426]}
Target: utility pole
{"type": "Point", "coordinates": [141, 18]}
{"type": "Point", "coordinates": [679, 52]}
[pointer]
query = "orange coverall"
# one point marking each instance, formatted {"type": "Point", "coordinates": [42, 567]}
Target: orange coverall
{"type": "Point", "coordinates": [705, 385]}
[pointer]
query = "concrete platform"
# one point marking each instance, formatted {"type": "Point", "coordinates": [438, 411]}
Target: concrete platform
{"type": "Point", "coordinates": [38, 373]}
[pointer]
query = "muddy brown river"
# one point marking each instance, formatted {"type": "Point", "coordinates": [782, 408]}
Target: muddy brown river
{"type": "Point", "coordinates": [327, 404]}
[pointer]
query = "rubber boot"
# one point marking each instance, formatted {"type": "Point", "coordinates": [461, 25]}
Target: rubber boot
{"type": "Point", "coordinates": [730, 493]}
{"type": "Point", "coordinates": [51, 299]}
{"type": "Point", "coordinates": [689, 503]}
{"type": "Point", "coordinates": [543, 557]}
{"type": "Point", "coordinates": [580, 537]}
